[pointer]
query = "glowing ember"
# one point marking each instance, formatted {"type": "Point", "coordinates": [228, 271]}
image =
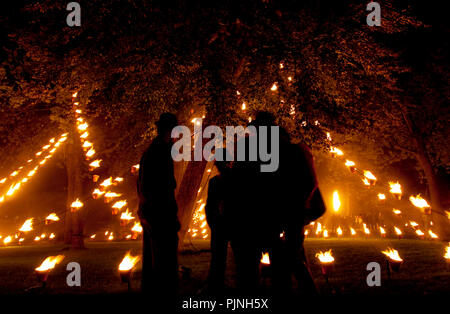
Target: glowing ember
{"type": "Point", "coordinates": [27, 225]}
{"type": "Point", "coordinates": [49, 263]}
{"type": "Point", "coordinates": [336, 201]}
{"type": "Point", "coordinates": [265, 259]}
{"type": "Point", "coordinates": [325, 257]}
{"type": "Point", "coordinates": [419, 202]}
{"type": "Point", "coordinates": [392, 254]}
{"type": "Point", "coordinates": [128, 262]}
{"type": "Point", "coordinates": [52, 217]}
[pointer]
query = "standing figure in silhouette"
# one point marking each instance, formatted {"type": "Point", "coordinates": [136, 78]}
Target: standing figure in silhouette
{"type": "Point", "coordinates": [158, 213]}
{"type": "Point", "coordinates": [218, 221]}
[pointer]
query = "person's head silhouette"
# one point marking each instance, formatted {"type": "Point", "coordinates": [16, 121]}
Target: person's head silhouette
{"type": "Point", "coordinates": [225, 163]}
{"type": "Point", "coordinates": [167, 121]}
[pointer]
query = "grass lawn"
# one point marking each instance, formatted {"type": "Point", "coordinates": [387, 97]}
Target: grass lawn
{"type": "Point", "coordinates": [424, 270]}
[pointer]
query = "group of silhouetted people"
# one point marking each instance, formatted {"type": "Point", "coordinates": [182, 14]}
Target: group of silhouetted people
{"type": "Point", "coordinates": [254, 212]}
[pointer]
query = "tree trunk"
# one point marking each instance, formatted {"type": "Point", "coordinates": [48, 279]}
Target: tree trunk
{"type": "Point", "coordinates": [73, 229]}
{"type": "Point", "coordinates": [187, 194]}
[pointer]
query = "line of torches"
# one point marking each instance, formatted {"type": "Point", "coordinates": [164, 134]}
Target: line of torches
{"type": "Point", "coordinates": [48, 149]}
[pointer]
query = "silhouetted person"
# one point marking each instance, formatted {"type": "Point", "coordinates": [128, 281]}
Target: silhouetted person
{"type": "Point", "coordinates": [305, 201]}
{"type": "Point", "coordinates": [158, 213]}
{"type": "Point", "coordinates": [218, 221]}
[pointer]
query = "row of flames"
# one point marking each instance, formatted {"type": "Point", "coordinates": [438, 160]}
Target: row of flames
{"type": "Point", "coordinates": [24, 173]}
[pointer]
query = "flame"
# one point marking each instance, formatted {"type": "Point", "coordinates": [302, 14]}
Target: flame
{"type": "Point", "coordinates": [83, 126]}
{"type": "Point", "coordinates": [126, 216]}
{"type": "Point", "coordinates": [51, 236]}
{"type": "Point", "coordinates": [413, 223]}
{"type": "Point", "coordinates": [95, 163]}
{"type": "Point", "coordinates": [325, 233]}
{"type": "Point", "coordinates": [128, 262]}
{"type": "Point", "coordinates": [369, 175]}
{"type": "Point", "coordinates": [432, 234]}
{"type": "Point", "coordinates": [366, 182]}
{"type": "Point", "coordinates": [106, 183]}
{"type": "Point", "coordinates": [396, 211]}
{"type": "Point", "coordinates": [243, 107]}
{"type": "Point", "coordinates": [75, 94]}
{"type": "Point", "coordinates": [381, 196]}
{"type": "Point", "coordinates": [87, 144]}
{"type": "Point", "coordinates": [325, 257]}
{"type": "Point", "coordinates": [336, 201]}
{"type": "Point", "coordinates": [52, 217]}
{"type": "Point", "coordinates": [289, 78]}
{"type": "Point", "coordinates": [97, 193]}
{"type": "Point", "coordinates": [319, 228]}
{"type": "Point", "coordinates": [419, 232]}
{"type": "Point", "coordinates": [112, 194]}
{"type": "Point", "coordinates": [339, 230]}
{"type": "Point", "coordinates": [111, 237]}
{"type": "Point", "coordinates": [119, 204]}
{"type": "Point", "coordinates": [274, 87]}
{"type": "Point", "coordinates": [77, 204]}
{"type": "Point", "coordinates": [366, 230]}
{"type": "Point", "coordinates": [265, 259]}
{"type": "Point", "coordinates": [419, 202]}
{"type": "Point", "coordinates": [7, 240]}
{"type": "Point", "coordinates": [337, 151]}
{"type": "Point", "coordinates": [392, 254]}
{"type": "Point", "coordinates": [27, 225]}
{"type": "Point", "coordinates": [137, 227]}
{"type": "Point", "coordinates": [353, 232]}
{"type": "Point", "coordinates": [90, 152]}
{"type": "Point", "coordinates": [447, 252]}
{"type": "Point", "coordinates": [395, 188]}
{"type": "Point", "coordinates": [349, 163]}
{"type": "Point", "coordinates": [382, 231]}
{"type": "Point", "coordinates": [118, 179]}
{"type": "Point", "coordinates": [398, 231]}
{"type": "Point", "coordinates": [84, 135]}
{"type": "Point", "coordinates": [50, 263]}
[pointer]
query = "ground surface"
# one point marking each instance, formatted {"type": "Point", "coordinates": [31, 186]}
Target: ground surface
{"type": "Point", "coordinates": [423, 272]}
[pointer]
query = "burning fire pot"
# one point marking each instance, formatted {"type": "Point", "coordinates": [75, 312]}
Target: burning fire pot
{"type": "Point", "coordinates": [327, 263]}
{"type": "Point", "coordinates": [393, 261]}
{"type": "Point", "coordinates": [126, 268]}
{"type": "Point", "coordinates": [46, 267]}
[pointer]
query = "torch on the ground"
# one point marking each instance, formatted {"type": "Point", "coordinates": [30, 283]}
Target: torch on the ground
{"type": "Point", "coordinates": [393, 261]}
{"type": "Point", "coordinates": [447, 256]}
{"type": "Point", "coordinates": [46, 267]}
{"type": "Point", "coordinates": [126, 268]}
{"type": "Point", "coordinates": [264, 267]}
{"type": "Point", "coordinates": [327, 263]}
